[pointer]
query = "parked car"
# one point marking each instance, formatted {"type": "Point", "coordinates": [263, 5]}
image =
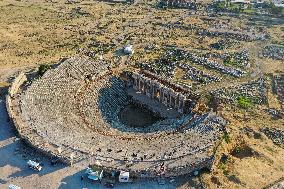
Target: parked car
{"type": "Point", "coordinates": [12, 186]}
{"type": "Point", "coordinates": [34, 165]}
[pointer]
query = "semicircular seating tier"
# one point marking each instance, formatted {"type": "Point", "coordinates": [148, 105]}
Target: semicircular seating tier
{"type": "Point", "coordinates": [76, 106]}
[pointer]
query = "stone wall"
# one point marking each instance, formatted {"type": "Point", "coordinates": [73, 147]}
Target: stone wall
{"type": "Point", "coordinates": [189, 4]}
{"type": "Point", "coordinates": [171, 95]}
{"type": "Point", "coordinates": [19, 80]}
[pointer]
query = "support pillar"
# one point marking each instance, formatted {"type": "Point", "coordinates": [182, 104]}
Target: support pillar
{"type": "Point", "coordinates": [170, 96]}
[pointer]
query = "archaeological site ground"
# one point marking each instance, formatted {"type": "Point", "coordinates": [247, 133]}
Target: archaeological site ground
{"type": "Point", "coordinates": [141, 94]}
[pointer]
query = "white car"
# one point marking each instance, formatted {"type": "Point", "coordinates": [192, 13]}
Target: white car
{"type": "Point", "coordinates": [34, 165]}
{"type": "Point", "coordinates": [12, 186]}
{"type": "Point", "coordinates": [128, 49]}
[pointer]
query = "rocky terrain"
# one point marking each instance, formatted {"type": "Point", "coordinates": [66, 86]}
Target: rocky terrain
{"type": "Point", "coordinates": [246, 89]}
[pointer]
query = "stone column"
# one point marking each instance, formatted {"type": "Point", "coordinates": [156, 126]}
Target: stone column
{"type": "Point", "coordinates": [176, 102]}
{"type": "Point", "coordinates": [148, 88]}
{"type": "Point", "coordinates": [161, 95]}
{"type": "Point", "coordinates": [139, 84]}
{"type": "Point", "coordinates": [157, 91]}
{"type": "Point", "coordinates": [142, 86]}
{"type": "Point", "coordinates": [135, 86]}
{"type": "Point", "coordinates": [152, 89]}
{"type": "Point", "coordinates": [170, 96]}
{"type": "Point", "coordinates": [165, 98]}
{"type": "Point", "coordinates": [181, 104]}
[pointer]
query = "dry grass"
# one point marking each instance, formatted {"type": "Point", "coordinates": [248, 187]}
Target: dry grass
{"type": "Point", "coordinates": [35, 32]}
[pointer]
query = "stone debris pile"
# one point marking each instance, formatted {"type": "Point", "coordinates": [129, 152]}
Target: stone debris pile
{"type": "Point", "coordinates": [276, 135]}
{"type": "Point", "coordinates": [276, 114]}
{"type": "Point", "coordinates": [162, 66]}
{"type": "Point", "coordinates": [87, 52]}
{"type": "Point", "coordinates": [237, 35]}
{"type": "Point", "coordinates": [224, 44]}
{"type": "Point", "coordinates": [254, 90]}
{"type": "Point", "coordinates": [278, 86]}
{"type": "Point", "coordinates": [189, 4]}
{"type": "Point", "coordinates": [239, 58]}
{"type": "Point", "coordinates": [198, 75]}
{"type": "Point", "coordinates": [180, 54]}
{"type": "Point", "coordinates": [274, 52]}
{"type": "Point", "coordinates": [214, 65]}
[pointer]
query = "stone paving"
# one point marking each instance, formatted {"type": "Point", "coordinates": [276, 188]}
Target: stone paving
{"type": "Point", "coordinates": [154, 105]}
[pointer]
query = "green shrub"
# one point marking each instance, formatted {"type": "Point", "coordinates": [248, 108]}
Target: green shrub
{"type": "Point", "coordinates": [42, 69]}
{"type": "Point", "coordinates": [274, 9]}
{"type": "Point", "coordinates": [238, 149]}
{"type": "Point", "coordinates": [226, 137]}
{"type": "Point", "coordinates": [219, 6]}
{"type": "Point", "coordinates": [244, 102]}
{"type": "Point", "coordinates": [223, 167]}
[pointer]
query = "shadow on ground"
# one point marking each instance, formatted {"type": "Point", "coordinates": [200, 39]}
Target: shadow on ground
{"type": "Point", "coordinates": [14, 153]}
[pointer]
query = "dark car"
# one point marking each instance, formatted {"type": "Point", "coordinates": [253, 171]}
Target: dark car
{"type": "Point", "coordinates": [109, 185]}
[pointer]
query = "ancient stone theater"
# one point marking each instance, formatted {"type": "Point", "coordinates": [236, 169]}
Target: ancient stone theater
{"type": "Point", "coordinates": [122, 120]}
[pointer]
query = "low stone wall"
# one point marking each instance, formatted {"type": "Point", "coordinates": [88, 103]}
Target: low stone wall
{"type": "Point", "coordinates": [19, 80]}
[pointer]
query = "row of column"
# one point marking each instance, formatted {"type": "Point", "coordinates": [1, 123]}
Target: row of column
{"type": "Point", "coordinates": [159, 92]}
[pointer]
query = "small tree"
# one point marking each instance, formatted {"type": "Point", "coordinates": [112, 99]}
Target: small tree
{"type": "Point", "coordinates": [226, 137]}
{"type": "Point", "coordinates": [219, 6]}
{"type": "Point", "coordinates": [244, 102]}
{"type": "Point", "coordinates": [42, 69]}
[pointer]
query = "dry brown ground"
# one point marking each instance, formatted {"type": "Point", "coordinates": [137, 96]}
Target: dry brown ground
{"type": "Point", "coordinates": [33, 32]}
{"type": "Point", "coordinates": [253, 172]}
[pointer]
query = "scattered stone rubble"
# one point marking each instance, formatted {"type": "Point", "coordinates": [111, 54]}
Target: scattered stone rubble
{"type": "Point", "coordinates": [239, 58]}
{"type": "Point", "coordinates": [278, 86]}
{"type": "Point", "coordinates": [199, 60]}
{"type": "Point", "coordinates": [198, 75]}
{"type": "Point", "coordinates": [276, 114]}
{"type": "Point", "coordinates": [276, 135]}
{"type": "Point", "coordinates": [224, 44]}
{"type": "Point", "coordinates": [274, 52]}
{"type": "Point", "coordinates": [87, 52]}
{"type": "Point", "coordinates": [78, 11]}
{"type": "Point", "coordinates": [189, 4]}
{"type": "Point", "coordinates": [161, 66]}
{"type": "Point", "coordinates": [237, 35]}
{"type": "Point", "coordinates": [255, 90]}
{"type": "Point", "coordinates": [74, 108]}
{"type": "Point", "coordinates": [167, 65]}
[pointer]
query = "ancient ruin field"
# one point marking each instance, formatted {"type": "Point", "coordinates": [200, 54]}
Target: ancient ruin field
{"type": "Point", "coordinates": [234, 63]}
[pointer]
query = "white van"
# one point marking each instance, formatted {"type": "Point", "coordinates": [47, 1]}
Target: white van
{"type": "Point", "coordinates": [123, 176]}
{"type": "Point", "coordinates": [34, 165]}
{"type": "Point", "coordinates": [12, 186]}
